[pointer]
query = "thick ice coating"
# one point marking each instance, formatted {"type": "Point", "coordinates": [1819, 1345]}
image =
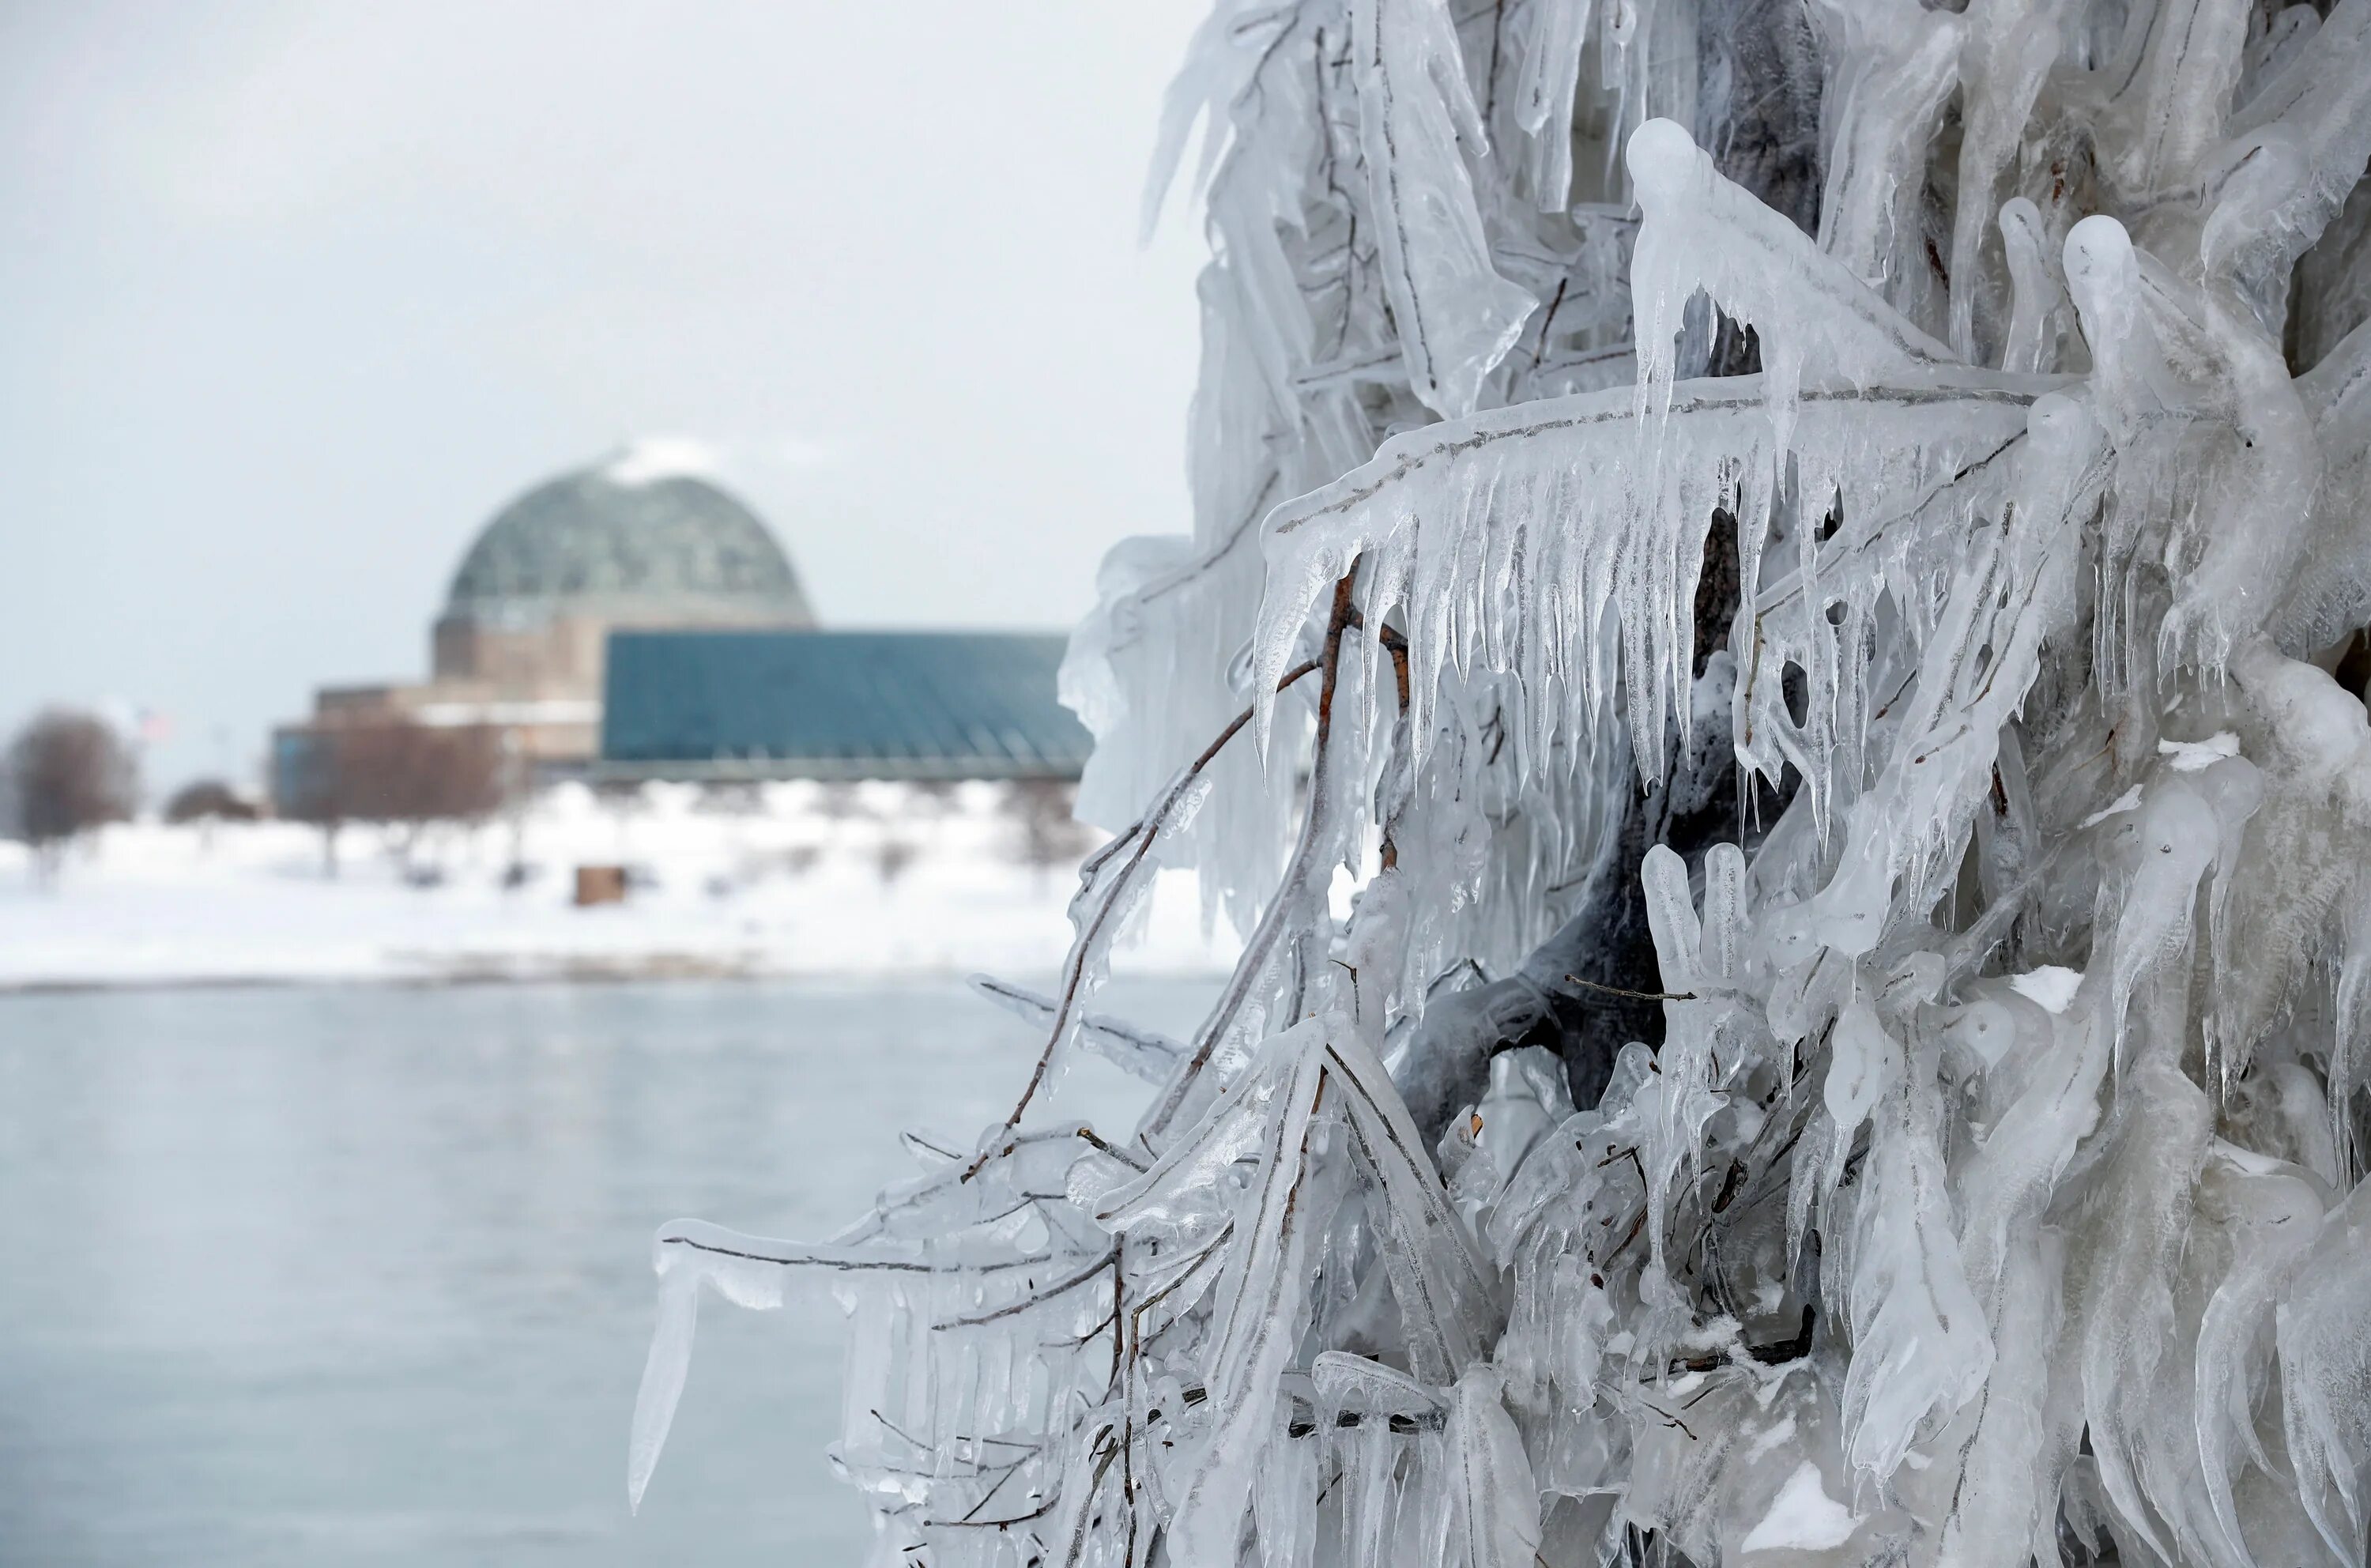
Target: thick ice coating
{"type": "Point", "coordinates": [1772, 665]}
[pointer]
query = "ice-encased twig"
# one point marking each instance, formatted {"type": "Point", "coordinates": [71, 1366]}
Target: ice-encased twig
{"type": "Point", "coordinates": [1289, 904]}
{"type": "Point", "coordinates": [1140, 1053]}
{"type": "Point", "coordinates": [1112, 883]}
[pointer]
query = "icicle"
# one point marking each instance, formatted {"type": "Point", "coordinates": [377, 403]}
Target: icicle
{"type": "Point", "coordinates": [1456, 317]}
{"type": "Point", "coordinates": [2008, 47]}
{"type": "Point", "coordinates": [2325, 1350]}
{"type": "Point", "coordinates": [1892, 63]}
{"type": "Point", "coordinates": [1544, 95]}
{"type": "Point", "coordinates": [1493, 1506]}
{"type": "Point", "coordinates": [2040, 312]}
{"type": "Point", "coordinates": [1921, 1348]}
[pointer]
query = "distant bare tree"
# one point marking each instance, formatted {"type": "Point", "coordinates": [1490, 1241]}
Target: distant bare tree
{"type": "Point", "coordinates": [67, 773]}
{"type": "Point", "coordinates": [1049, 834]}
{"type": "Point", "coordinates": [403, 775]}
{"type": "Point", "coordinates": [406, 776]}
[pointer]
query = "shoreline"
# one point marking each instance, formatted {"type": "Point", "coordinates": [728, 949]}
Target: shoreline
{"type": "Point", "coordinates": [881, 883]}
{"type": "Point", "coordinates": [591, 973]}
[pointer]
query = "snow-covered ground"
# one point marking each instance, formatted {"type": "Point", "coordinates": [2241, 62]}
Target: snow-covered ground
{"type": "Point", "coordinates": [790, 880]}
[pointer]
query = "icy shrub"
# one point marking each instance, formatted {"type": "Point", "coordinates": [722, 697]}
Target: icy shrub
{"type": "Point", "coordinates": [891, 857]}
{"type": "Point", "coordinates": [208, 800]}
{"type": "Point", "coordinates": [1814, 633]}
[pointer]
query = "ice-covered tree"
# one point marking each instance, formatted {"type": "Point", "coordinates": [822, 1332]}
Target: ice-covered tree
{"type": "Point", "coordinates": [1809, 563]}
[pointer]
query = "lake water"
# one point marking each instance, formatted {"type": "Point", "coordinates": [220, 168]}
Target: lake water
{"type": "Point", "coordinates": [363, 1275]}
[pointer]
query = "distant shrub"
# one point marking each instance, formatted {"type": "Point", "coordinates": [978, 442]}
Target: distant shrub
{"type": "Point", "coordinates": [208, 800]}
{"type": "Point", "coordinates": [731, 798]}
{"type": "Point", "coordinates": [931, 797]}
{"type": "Point", "coordinates": [892, 857]}
{"type": "Point", "coordinates": [841, 801]}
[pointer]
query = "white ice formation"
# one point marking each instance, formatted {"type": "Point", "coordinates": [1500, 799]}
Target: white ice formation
{"type": "Point", "coordinates": [1832, 642]}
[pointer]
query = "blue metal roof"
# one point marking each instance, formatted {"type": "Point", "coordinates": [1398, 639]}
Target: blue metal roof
{"type": "Point", "coordinates": [836, 704]}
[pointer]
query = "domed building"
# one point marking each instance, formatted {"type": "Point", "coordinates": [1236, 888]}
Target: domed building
{"type": "Point", "coordinates": [632, 621]}
{"type": "Point", "coordinates": [520, 645]}
{"type": "Point", "coordinates": [600, 550]}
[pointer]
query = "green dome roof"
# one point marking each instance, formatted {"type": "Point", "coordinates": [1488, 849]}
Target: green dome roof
{"type": "Point", "coordinates": [609, 540]}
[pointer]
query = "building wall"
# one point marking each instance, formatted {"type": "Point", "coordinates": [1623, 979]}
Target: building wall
{"type": "Point", "coordinates": [550, 731]}
{"type": "Point", "coordinates": [563, 654]}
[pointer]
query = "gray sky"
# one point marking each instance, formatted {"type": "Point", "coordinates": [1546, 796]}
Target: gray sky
{"type": "Point", "coordinates": [297, 296]}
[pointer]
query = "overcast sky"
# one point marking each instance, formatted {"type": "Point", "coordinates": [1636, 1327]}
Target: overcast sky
{"type": "Point", "coordinates": [297, 296]}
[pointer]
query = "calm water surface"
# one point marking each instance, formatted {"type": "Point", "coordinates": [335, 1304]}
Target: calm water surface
{"type": "Point", "coordinates": [362, 1276]}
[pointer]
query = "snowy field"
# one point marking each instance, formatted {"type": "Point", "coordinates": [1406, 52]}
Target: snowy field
{"type": "Point", "coordinates": [789, 880]}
